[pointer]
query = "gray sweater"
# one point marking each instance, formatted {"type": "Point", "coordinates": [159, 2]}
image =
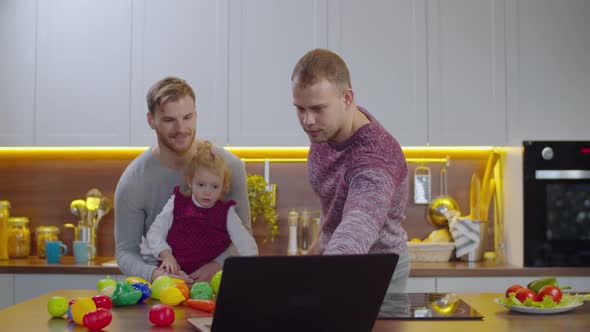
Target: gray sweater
{"type": "Point", "coordinates": [143, 190]}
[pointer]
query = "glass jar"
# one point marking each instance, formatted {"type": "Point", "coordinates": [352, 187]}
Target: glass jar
{"type": "Point", "coordinates": [45, 233]}
{"type": "Point", "coordinates": [19, 237]}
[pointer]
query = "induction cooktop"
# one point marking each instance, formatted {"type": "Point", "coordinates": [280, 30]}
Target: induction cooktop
{"type": "Point", "coordinates": [426, 306]}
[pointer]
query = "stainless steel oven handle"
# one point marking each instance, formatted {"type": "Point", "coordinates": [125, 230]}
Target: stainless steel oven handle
{"type": "Point", "coordinates": [570, 174]}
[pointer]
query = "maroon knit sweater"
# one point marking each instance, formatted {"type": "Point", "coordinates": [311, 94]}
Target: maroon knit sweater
{"type": "Point", "coordinates": [363, 191]}
{"type": "Point", "coordinates": [197, 235]}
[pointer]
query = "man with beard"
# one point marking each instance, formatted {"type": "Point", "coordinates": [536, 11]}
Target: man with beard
{"type": "Point", "coordinates": [146, 185]}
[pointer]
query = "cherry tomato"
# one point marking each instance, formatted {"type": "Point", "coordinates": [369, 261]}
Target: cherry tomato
{"type": "Point", "coordinates": [524, 293]}
{"type": "Point", "coordinates": [513, 289]}
{"type": "Point", "coordinates": [552, 291]}
{"type": "Point", "coordinates": [97, 320]}
{"type": "Point", "coordinates": [102, 301]}
{"type": "Point", "coordinates": [161, 315]}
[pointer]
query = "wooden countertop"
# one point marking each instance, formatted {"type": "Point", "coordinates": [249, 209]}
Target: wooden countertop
{"type": "Point", "coordinates": [34, 264]}
{"type": "Point", "coordinates": [32, 315]}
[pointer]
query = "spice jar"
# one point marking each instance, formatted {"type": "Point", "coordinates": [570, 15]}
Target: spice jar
{"type": "Point", "coordinates": [19, 237]}
{"type": "Point", "coordinates": [45, 233]}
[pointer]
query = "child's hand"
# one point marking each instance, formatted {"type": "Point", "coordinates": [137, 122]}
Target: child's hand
{"type": "Point", "coordinates": [170, 265]}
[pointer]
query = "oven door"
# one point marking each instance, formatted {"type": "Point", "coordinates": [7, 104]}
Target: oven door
{"type": "Point", "coordinates": [557, 217]}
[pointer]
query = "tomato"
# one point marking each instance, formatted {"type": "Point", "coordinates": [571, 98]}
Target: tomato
{"type": "Point", "coordinates": [513, 289]}
{"type": "Point", "coordinates": [552, 291]}
{"type": "Point", "coordinates": [102, 301]}
{"type": "Point", "coordinates": [524, 293]}
{"type": "Point", "coordinates": [161, 315]}
{"type": "Point", "coordinates": [97, 320]}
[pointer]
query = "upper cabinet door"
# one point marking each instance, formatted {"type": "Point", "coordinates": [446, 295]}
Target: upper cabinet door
{"type": "Point", "coordinates": [466, 72]}
{"type": "Point", "coordinates": [83, 72]}
{"type": "Point", "coordinates": [187, 39]}
{"type": "Point", "coordinates": [17, 72]}
{"type": "Point", "coordinates": [384, 45]}
{"type": "Point", "coordinates": [549, 70]}
{"type": "Point", "coordinates": [266, 39]}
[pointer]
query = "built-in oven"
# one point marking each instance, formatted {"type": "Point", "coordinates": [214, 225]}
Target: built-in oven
{"type": "Point", "coordinates": [556, 203]}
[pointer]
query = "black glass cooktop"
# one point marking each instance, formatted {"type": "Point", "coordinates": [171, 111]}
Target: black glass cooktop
{"type": "Point", "coordinates": [426, 306]}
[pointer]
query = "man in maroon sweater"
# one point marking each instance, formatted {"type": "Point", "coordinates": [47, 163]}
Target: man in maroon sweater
{"type": "Point", "coordinates": [356, 168]}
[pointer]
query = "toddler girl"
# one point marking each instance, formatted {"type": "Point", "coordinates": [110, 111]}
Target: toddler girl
{"type": "Point", "coordinates": [196, 226]}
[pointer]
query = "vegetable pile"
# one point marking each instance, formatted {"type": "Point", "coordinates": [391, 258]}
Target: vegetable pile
{"type": "Point", "coordinates": [541, 293]}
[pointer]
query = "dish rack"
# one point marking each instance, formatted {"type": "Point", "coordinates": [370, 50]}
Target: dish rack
{"type": "Point", "coordinates": [431, 251]}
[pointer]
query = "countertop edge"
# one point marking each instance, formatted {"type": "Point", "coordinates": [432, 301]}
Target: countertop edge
{"type": "Point", "coordinates": [500, 272]}
{"type": "Point", "coordinates": [103, 265]}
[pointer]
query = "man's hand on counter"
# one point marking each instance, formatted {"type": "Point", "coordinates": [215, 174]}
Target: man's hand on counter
{"type": "Point", "coordinates": [205, 272]}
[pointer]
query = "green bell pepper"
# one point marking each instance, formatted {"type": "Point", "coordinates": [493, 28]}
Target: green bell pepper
{"type": "Point", "coordinates": [125, 294]}
{"type": "Point", "coordinates": [536, 285]}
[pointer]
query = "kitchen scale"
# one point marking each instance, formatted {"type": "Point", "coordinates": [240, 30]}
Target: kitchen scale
{"type": "Point", "coordinates": [426, 306]}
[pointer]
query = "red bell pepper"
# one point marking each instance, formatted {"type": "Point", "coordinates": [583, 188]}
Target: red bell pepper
{"type": "Point", "coordinates": [97, 320]}
{"type": "Point", "coordinates": [102, 301]}
{"type": "Point", "coordinates": [203, 305]}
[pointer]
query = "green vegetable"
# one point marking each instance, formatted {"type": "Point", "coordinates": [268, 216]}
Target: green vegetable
{"type": "Point", "coordinates": [125, 294]}
{"type": "Point", "coordinates": [201, 290]}
{"type": "Point", "coordinates": [102, 283]}
{"type": "Point", "coordinates": [536, 285]}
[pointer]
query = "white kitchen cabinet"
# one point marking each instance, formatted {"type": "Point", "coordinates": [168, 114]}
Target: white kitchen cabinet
{"type": "Point", "coordinates": [187, 39]}
{"type": "Point", "coordinates": [500, 284]}
{"type": "Point", "coordinates": [266, 38]}
{"type": "Point", "coordinates": [466, 72]}
{"type": "Point", "coordinates": [384, 46]}
{"type": "Point", "coordinates": [453, 72]}
{"type": "Point", "coordinates": [548, 70]}
{"type": "Point", "coordinates": [82, 75]}
{"type": "Point", "coordinates": [6, 290]}
{"type": "Point", "coordinates": [17, 72]}
{"type": "Point", "coordinates": [27, 286]}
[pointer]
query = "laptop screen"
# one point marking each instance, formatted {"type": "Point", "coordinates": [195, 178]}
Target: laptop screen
{"type": "Point", "coordinates": [294, 293]}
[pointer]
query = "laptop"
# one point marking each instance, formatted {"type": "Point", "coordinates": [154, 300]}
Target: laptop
{"type": "Point", "coordinates": [300, 293]}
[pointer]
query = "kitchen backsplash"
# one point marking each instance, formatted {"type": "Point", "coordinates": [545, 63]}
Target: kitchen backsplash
{"type": "Point", "coordinates": [42, 185]}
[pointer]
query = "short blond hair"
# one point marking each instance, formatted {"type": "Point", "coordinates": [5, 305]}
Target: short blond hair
{"type": "Point", "coordinates": [167, 89]}
{"type": "Point", "coordinates": [320, 64]}
{"type": "Point", "coordinates": [205, 158]}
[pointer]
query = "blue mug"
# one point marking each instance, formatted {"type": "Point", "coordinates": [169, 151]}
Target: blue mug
{"type": "Point", "coordinates": [83, 251]}
{"type": "Point", "coordinates": [54, 250]}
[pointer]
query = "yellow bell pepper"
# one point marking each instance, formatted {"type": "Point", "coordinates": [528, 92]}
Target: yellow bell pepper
{"type": "Point", "coordinates": [171, 296]}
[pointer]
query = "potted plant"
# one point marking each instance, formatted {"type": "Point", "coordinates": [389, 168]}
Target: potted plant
{"type": "Point", "coordinates": [261, 205]}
